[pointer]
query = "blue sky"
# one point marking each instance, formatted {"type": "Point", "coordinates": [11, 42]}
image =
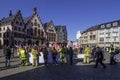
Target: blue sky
{"type": "Point", "coordinates": [75, 14]}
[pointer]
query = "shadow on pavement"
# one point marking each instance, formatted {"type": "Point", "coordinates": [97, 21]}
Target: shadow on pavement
{"type": "Point", "coordinates": [68, 72]}
{"type": "Point", "coordinates": [12, 66]}
{"type": "Point", "coordinates": [10, 61]}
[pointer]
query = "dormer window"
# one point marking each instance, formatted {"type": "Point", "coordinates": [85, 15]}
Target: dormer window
{"type": "Point", "coordinates": [115, 24]}
{"type": "Point", "coordinates": [108, 25]}
{"type": "Point", "coordinates": [102, 26]}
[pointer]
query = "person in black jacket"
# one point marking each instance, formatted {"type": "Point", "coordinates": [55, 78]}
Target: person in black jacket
{"type": "Point", "coordinates": [54, 54]}
{"type": "Point", "coordinates": [7, 56]}
{"type": "Point", "coordinates": [71, 55]}
{"type": "Point", "coordinates": [45, 55]}
{"type": "Point", "coordinates": [99, 57]}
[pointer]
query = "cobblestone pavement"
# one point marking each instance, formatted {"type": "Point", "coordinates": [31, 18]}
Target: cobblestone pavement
{"type": "Point", "coordinates": [77, 71]}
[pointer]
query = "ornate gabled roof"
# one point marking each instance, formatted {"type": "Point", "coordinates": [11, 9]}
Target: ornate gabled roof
{"type": "Point", "coordinates": [8, 20]}
{"type": "Point", "coordinates": [27, 19]}
{"type": "Point", "coordinates": [45, 26]}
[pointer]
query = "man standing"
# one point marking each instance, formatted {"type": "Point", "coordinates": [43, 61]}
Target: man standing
{"type": "Point", "coordinates": [87, 55]}
{"type": "Point", "coordinates": [63, 53]}
{"type": "Point", "coordinates": [7, 56]}
{"type": "Point", "coordinates": [70, 51]}
{"type": "Point", "coordinates": [23, 56]}
{"type": "Point", "coordinates": [35, 57]}
{"type": "Point", "coordinates": [54, 54]}
{"type": "Point", "coordinates": [112, 54]}
{"type": "Point", "coordinates": [45, 55]}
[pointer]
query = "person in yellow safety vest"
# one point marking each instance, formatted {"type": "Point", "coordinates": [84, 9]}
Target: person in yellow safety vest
{"type": "Point", "coordinates": [87, 52]}
{"type": "Point", "coordinates": [35, 57]}
{"type": "Point", "coordinates": [62, 55]}
{"type": "Point", "coordinates": [23, 57]}
{"type": "Point", "coordinates": [112, 54]}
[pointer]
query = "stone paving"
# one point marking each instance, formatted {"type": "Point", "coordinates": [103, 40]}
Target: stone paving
{"type": "Point", "coordinates": [77, 71]}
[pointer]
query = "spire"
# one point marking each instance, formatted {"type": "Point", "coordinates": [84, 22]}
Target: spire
{"type": "Point", "coordinates": [35, 10]}
{"type": "Point", "coordinates": [10, 13]}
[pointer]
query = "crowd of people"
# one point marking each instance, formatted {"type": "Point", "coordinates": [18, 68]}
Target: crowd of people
{"type": "Point", "coordinates": [65, 55]}
{"type": "Point", "coordinates": [97, 54]}
{"type": "Point", "coordinates": [26, 52]}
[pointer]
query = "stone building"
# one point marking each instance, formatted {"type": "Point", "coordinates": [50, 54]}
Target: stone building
{"type": "Point", "coordinates": [12, 29]}
{"type": "Point", "coordinates": [61, 34]}
{"type": "Point", "coordinates": [50, 32]}
{"type": "Point", "coordinates": [102, 35]}
{"type": "Point", "coordinates": [15, 29]}
{"type": "Point", "coordinates": [33, 29]}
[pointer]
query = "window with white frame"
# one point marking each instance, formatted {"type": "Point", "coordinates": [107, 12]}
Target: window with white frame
{"type": "Point", "coordinates": [108, 25]}
{"type": "Point", "coordinates": [94, 32]}
{"type": "Point", "coordinates": [115, 39]}
{"type": "Point", "coordinates": [114, 34]}
{"type": "Point", "coordinates": [115, 24]}
{"type": "Point", "coordinates": [102, 26]}
{"type": "Point", "coordinates": [101, 39]}
{"type": "Point", "coordinates": [102, 31]}
{"type": "Point", "coordinates": [115, 29]}
{"type": "Point", "coordinates": [107, 30]}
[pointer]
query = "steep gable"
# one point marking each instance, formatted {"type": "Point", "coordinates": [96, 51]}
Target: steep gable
{"type": "Point", "coordinates": [50, 27]}
{"type": "Point", "coordinates": [8, 20]}
{"type": "Point", "coordinates": [19, 19]}
{"type": "Point", "coordinates": [35, 21]}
